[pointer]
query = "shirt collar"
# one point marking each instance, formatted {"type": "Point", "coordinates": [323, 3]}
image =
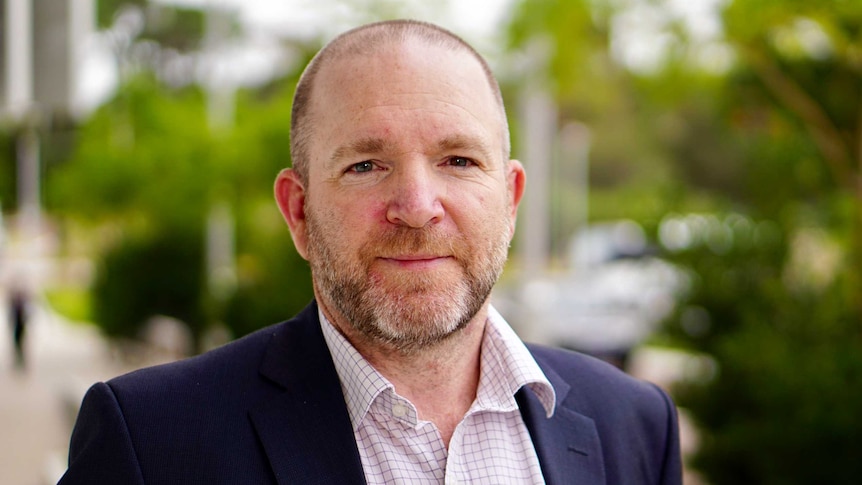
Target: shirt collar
{"type": "Point", "coordinates": [506, 366]}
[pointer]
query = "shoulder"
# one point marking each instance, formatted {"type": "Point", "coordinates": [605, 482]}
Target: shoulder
{"type": "Point", "coordinates": [584, 371]}
{"type": "Point", "coordinates": [189, 421]}
{"type": "Point", "coordinates": [238, 359]}
{"type": "Point", "coordinates": [635, 420]}
{"type": "Point", "coordinates": [233, 369]}
{"type": "Point", "coordinates": [231, 360]}
{"type": "Point", "coordinates": [597, 389]}
{"type": "Point", "coordinates": [169, 397]}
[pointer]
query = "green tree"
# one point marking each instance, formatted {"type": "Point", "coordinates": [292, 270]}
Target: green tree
{"type": "Point", "coordinates": [146, 171]}
{"type": "Point", "coordinates": [805, 58]}
{"type": "Point", "coordinates": [273, 281]}
{"type": "Point", "coordinates": [142, 172]}
{"type": "Point", "coordinates": [766, 137]}
{"type": "Point", "coordinates": [777, 135]}
{"type": "Point", "coordinates": [567, 46]}
{"type": "Point", "coordinates": [143, 278]}
{"type": "Point", "coordinates": [8, 169]}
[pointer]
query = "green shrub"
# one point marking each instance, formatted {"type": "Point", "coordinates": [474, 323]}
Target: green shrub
{"type": "Point", "coordinates": [783, 405]}
{"type": "Point", "coordinates": [144, 277]}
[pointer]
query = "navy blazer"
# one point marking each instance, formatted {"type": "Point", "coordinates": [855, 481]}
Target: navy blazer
{"type": "Point", "coordinates": [268, 409]}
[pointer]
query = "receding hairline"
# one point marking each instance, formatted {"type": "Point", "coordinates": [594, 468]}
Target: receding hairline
{"type": "Point", "coordinates": [365, 40]}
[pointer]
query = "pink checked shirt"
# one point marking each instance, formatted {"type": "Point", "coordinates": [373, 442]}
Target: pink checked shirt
{"type": "Point", "coordinates": [491, 445]}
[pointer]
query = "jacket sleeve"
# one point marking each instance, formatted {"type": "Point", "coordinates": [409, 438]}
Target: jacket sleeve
{"type": "Point", "coordinates": [101, 449]}
{"type": "Point", "coordinates": [671, 473]}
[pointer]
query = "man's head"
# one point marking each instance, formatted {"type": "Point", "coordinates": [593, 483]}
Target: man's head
{"type": "Point", "coordinates": [365, 40]}
{"type": "Point", "coordinates": [402, 196]}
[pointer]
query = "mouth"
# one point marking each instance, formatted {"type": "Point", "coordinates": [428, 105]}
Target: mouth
{"type": "Point", "coordinates": [415, 261]}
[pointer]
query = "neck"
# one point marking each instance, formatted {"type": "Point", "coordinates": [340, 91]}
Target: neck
{"type": "Point", "coordinates": [441, 380]}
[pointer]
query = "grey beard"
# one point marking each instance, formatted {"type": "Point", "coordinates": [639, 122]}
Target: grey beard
{"type": "Point", "coordinates": [400, 322]}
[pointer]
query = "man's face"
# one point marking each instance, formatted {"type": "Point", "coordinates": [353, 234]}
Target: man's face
{"type": "Point", "coordinates": [409, 205]}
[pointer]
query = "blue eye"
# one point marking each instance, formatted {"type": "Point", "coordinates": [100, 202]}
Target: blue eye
{"type": "Point", "coordinates": [460, 162]}
{"type": "Point", "coordinates": [362, 167]}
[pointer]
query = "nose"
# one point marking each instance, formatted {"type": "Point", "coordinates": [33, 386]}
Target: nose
{"type": "Point", "coordinates": [415, 199]}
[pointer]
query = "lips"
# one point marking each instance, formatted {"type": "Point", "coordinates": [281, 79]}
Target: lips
{"type": "Point", "coordinates": [412, 257]}
{"type": "Point", "coordinates": [415, 261]}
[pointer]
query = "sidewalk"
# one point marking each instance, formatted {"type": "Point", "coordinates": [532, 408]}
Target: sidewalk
{"type": "Point", "coordinates": [38, 405]}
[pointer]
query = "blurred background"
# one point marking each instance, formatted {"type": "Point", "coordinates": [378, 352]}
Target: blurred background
{"type": "Point", "coordinates": [693, 212]}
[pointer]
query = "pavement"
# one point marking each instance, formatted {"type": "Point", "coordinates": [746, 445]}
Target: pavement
{"type": "Point", "coordinates": [38, 404]}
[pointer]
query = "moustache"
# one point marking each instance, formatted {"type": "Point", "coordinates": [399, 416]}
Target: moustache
{"type": "Point", "coordinates": [401, 241]}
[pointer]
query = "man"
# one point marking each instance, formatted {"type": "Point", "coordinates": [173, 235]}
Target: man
{"type": "Point", "coordinates": [403, 200]}
{"type": "Point", "coordinates": [18, 319]}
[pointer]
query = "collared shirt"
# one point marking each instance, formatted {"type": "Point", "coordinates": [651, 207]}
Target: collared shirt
{"type": "Point", "coordinates": [490, 445]}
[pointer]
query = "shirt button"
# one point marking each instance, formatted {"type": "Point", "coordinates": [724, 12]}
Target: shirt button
{"type": "Point", "coordinates": [399, 410]}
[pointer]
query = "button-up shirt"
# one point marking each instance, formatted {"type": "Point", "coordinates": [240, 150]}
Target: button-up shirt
{"type": "Point", "coordinates": [490, 445]}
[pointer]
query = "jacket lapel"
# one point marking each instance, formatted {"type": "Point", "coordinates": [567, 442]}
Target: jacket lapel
{"type": "Point", "coordinates": [567, 443]}
{"type": "Point", "coordinates": [306, 430]}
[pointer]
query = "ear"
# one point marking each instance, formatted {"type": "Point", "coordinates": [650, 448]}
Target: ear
{"type": "Point", "coordinates": [516, 182]}
{"type": "Point", "coordinates": [290, 196]}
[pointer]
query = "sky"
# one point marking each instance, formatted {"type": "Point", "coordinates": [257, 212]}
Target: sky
{"type": "Point", "coordinates": [331, 17]}
{"type": "Point", "coordinates": [259, 55]}
{"type": "Point", "coordinates": [640, 36]}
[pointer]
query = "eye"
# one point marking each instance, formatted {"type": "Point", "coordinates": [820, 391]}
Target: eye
{"type": "Point", "coordinates": [361, 167]}
{"type": "Point", "coordinates": [460, 162]}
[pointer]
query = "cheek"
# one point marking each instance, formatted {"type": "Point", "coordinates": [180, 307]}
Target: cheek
{"type": "Point", "coordinates": [353, 220]}
{"type": "Point", "coordinates": [365, 218]}
{"type": "Point", "coordinates": [344, 202]}
{"type": "Point", "coordinates": [475, 214]}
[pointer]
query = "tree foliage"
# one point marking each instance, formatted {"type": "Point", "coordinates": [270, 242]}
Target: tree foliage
{"type": "Point", "coordinates": [146, 154]}
{"type": "Point", "coordinates": [146, 171]}
{"type": "Point", "coordinates": [787, 337]}
{"type": "Point", "coordinates": [8, 169]}
{"type": "Point", "coordinates": [142, 278]}
{"type": "Point", "coordinates": [781, 406]}
{"type": "Point", "coordinates": [770, 145]}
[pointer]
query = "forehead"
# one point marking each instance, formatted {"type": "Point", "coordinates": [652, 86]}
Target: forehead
{"type": "Point", "coordinates": [415, 58]}
{"type": "Point", "coordinates": [412, 80]}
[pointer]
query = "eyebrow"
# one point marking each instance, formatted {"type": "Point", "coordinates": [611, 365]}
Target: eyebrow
{"type": "Point", "coordinates": [374, 145]}
{"type": "Point", "coordinates": [359, 147]}
{"type": "Point", "coordinates": [363, 145]}
{"type": "Point", "coordinates": [464, 142]}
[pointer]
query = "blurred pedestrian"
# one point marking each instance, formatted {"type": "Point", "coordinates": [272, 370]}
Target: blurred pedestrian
{"type": "Point", "coordinates": [18, 322]}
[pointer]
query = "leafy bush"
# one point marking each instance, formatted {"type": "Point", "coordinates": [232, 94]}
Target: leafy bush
{"type": "Point", "coordinates": [274, 282]}
{"type": "Point", "coordinates": [144, 277]}
{"type": "Point", "coordinates": [783, 406]}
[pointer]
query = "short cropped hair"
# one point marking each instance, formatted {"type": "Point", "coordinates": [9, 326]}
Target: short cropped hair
{"type": "Point", "coordinates": [365, 40]}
